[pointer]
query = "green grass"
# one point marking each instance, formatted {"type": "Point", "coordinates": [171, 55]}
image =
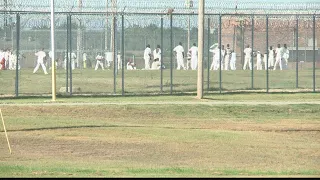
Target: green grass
{"type": "Point", "coordinates": [243, 97]}
{"type": "Point", "coordinates": [161, 141]}
{"type": "Point", "coordinates": [22, 171]}
{"type": "Point", "coordinates": [148, 82]}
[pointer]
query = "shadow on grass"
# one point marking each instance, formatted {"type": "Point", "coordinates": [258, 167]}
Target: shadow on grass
{"type": "Point", "coordinates": [212, 91]}
{"type": "Point", "coordinates": [176, 128]}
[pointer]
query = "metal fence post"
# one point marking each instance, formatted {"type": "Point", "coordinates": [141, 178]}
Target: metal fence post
{"type": "Point", "coordinates": [114, 56]}
{"type": "Point", "coordinates": [297, 51]}
{"type": "Point", "coordinates": [17, 54]}
{"type": "Point", "coordinates": [161, 62]}
{"type": "Point", "coordinates": [314, 53]}
{"type": "Point", "coordinates": [252, 44]}
{"type": "Point", "coordinates": [70, 53]}
{"type": "Point", "coordinates": [122, 53]}
{"type": "Point", "coordinates": [267, 48]}
{"type": "Point", "coordinates": [67, 56]}
{"type": "Point", "coordinates": [208, 64]}
{"type": "Point", "coordinates": [220, 46]}
{"type": "Point", "coordinates": [171, 60]}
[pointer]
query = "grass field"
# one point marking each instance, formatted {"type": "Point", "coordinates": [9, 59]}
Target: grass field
{"type": "Point", "coordinates": [148, 82]}
{"type": "Point", "coordinates": [135, 137]}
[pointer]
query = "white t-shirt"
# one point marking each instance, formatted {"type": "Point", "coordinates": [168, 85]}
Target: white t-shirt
{"type": "Point", "coordinates": [216, 53]}
{"type": "Point", "coordinates": [147, 51]}
{"type": "Point", "coordinates": [99, 57]}
{"type": "Point", "coordinates": [1, 55]}
{"type": "Point", "coordinates": [279, 52]}
{"type": "Point", "coordinates": [247, 51]}
{"type": "Point", "coordinates": [228, 51]}
{"type": "Point", "coordinates": [258, 57]}
{"type": "Point", "coordinates": [157, 54]}
{"type": "Point", "coordinates": [194, 51]}
{"type": "Point", "coordinates": [41, 55]}
{"type": "Point", "coordinates": [285, 53]}
{"type": "Point", "coordinates": [50, 54]}
{"type": "Point", "coordinates": [73, 55]}
{"type": "Point", "coordinates": [271, 54]}
{"type": "Point", "coordinates": [179, 50]}
{"type": "Point", "coordinates": [7, 55]}
{"type": "Point", "coordinates": [233, 57]}
{"type": "Point", "coordinates": [84, 56]}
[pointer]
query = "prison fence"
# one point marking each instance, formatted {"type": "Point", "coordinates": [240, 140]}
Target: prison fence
{"type": "Point", "coordinates": [122, 37]}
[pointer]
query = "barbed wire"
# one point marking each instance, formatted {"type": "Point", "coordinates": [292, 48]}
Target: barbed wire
{"type": "Point", "coordinates": [145, 6]}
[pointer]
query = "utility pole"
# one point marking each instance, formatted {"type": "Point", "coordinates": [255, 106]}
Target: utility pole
{"type": "Point", "coordinates": [200, 49]}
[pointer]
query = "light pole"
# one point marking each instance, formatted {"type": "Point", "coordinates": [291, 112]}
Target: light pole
{"type": "Point", "coordinates": [200, 49]}
{"type": "Point", "coordinates": [53, 65]}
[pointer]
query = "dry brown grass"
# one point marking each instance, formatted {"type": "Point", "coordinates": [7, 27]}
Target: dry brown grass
{"type": "Point", "coordinates": [118, 138]}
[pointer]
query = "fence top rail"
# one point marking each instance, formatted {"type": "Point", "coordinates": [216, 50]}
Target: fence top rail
{"type": "Point", "coordinates": [162, 14]}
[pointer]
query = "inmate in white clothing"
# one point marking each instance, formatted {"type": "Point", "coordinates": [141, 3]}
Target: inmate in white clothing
{"type": "Point", "coordinates": [271, 58]}
{"type": "Point", "coordinates": [119, 61]}
{"type": "Point", "coordinates": [259, 61]}
{"type": "Point", "coordinates": [41, 55]}
{"type": "Point", "coordinates": [247, 58]}
{"type": "Point", "coordinates": [233, 61]}
{"type": "Point", "coordinates": [216, 59]}
{"type": "Point", "coordinates": [157, 54]}
{"type": "Point", "coordinates": [265, 61]}
{"type": "Point", "coordinates": [227, 59]}
{"type": "Point", "coordinates": [278, 58]}
{"type": "Point", "coordinates": [179, 50]}
{"type": "Point", "coordinates": [194, 57]}
{"type": "Point", "coordinates": [285, 55]}
{"type": "Point", "coordinates": [99, 62]}
{"type": "Point", "coordinates": [146, 56]}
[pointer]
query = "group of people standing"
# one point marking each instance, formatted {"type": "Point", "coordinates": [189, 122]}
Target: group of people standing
{"type": "Point", "coordinates": [228, 58]}
{"type": "Point", "coordinates": [8, 60]}
{"type": "Point", "coordinates": [192, 57]}
{"type": "Point", "coordinates": [276, 57]}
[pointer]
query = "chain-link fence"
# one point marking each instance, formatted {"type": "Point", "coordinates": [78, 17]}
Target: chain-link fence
{"type": "Point", "coordinates": [102, 51]}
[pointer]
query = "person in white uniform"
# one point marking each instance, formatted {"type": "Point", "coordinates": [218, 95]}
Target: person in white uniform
{"type": "Point", "coordinates": [84, 60]}
{"type": "Point", "coordinates": [194, 56]}
{"type": "Point", "coordinates": [285, 55]}
{"type": "Point", "coordinates": [180, 56]}
{"type": "Point", "coordinates": [156, 58]}
{"type": "Point", "coordinates": [73, 60]}
{"type": "Point", "coordinates": [13, 59]}
{"type": "Point", "coordinates": [259, 61]}
{"type": "Point", "coordinates": [271, 57]}
{"type": "Point", "coordinates": [227, 57]}
{"type": "Point", "coordinates": [147, 57]}
{"type": "Point", "coordinates": [216, 58]}
{"type": "Point", "coordinates": [233, 60]}
{"type": "Point", "coordinates": [119, 60]}
{"type": "Point", "coordinates": [247, 58]}
{"type": "Point", "coordinates": [265, 61]}
{"type": "Point", "coordinates": [41, 55]}
{"type": "Point", "coordinates": [223, 54]}
{"type": "Point", "coordinates": [99, 59]}
{"type": "Point", "coordinates": [131, 65]}
{"type": "Point", "coordinates": [278, 58]}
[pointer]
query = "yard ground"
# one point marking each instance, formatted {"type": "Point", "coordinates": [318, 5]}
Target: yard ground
{"type": "Point", "coordinates": [238, 135]}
